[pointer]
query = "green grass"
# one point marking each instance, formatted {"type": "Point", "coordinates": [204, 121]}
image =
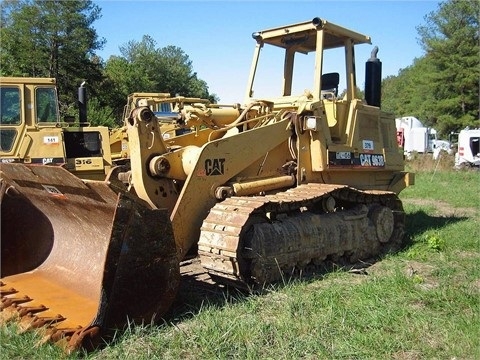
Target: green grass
{"type": "Point", "coordinates": [421, 303]}
{"type": "Point", "coordinates": [457, 188]}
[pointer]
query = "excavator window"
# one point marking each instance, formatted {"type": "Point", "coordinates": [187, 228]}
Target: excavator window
{"type": "Point", "coordinates": [475, 145]}
{"type": "Point", "coordinates": [10, 106]}
{"type": "Point", "coordinates": [9, 115]}
{"type": "Point", "coordinates": [46, 105]}
{"type": "Point", "coordinates": [7, 139]}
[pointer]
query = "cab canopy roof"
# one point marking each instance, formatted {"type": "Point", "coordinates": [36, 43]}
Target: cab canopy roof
{"type": "Point", "coordinates": [27, 80]}
{"type": "Point", "coordinates": [303, 36]}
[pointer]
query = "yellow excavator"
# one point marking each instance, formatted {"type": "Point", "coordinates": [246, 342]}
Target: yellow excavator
{"type": "Point", "coordinates": [32, 132]}
{"type": "Point", "coordinates": [281, 184]}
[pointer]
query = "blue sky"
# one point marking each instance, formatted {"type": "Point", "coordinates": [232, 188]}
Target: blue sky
{"type": "Point", "coordinates": [216, 35]}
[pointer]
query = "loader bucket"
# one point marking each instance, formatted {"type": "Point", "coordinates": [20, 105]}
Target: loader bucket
{"type": "Point", "coordinates": [79, 260]}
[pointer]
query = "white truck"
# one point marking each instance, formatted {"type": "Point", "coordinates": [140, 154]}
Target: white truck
{"type": "Point", "coordinates": [413, 136]}
{"type": "Point", "coordinates": [468, 153]}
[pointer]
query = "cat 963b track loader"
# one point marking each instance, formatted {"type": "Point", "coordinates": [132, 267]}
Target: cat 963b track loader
{"type": "Point", "coordinates": [280, 184]}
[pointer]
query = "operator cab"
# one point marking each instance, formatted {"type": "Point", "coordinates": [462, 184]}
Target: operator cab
{"type": "Point", "coordinates": [311, 47]}
{"type": "Point", "coordinates": [25, 102]}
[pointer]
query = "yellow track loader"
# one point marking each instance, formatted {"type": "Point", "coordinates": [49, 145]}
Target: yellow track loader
{"type": "Point", "coordinates": [275, 187]}
{"type": "Point", "coordinates": [173, 113]}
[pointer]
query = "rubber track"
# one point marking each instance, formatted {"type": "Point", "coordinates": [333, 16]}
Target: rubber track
{"type": "Point", "coordinates": [227, 221]}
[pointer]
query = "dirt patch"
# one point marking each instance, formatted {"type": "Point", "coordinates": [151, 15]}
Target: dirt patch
{"type": "Point", "coordinates": [475, 286]}
{"type": "Point", "coordinates": [467, 255]}
{"type": "Point", "coordinates": [421, 274]}
{"type": "Point", "coordinates": [442, 208]}
{"type": "Point", "coordinates": [407, 355]}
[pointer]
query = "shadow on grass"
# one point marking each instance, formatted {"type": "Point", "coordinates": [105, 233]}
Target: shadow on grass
{"type": "Point", "coordinates": [198, 291]}
{"type": "Point", "coordinates": [419, 221]}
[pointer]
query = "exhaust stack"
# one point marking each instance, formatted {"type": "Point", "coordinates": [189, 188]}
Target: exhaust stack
{"type": "Point", "coordinates": [82, 103]}
{"type": "Point", "coordinates": [373, 79]}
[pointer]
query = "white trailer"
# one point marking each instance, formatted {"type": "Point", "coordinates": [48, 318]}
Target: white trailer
{"type": "Point", "coordinates": [413, 136]}
{"type": "Point", "coordinates": [468, 153]}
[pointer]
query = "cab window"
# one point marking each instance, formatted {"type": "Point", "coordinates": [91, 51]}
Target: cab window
{"type": "Point", "coordinates": [46, 105]}
{"type": "Point", "coordinates": [9, 115]}
{"type": "Point", "coordinates": [10, 106]}
{"type": "Point", "coordinates": [7, 139]}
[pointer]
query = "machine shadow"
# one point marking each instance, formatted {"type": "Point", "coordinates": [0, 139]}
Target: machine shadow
{"type": "Point", "coordinates": [419, 221]}
{"type": "Point", "coordinates": [197, 290]}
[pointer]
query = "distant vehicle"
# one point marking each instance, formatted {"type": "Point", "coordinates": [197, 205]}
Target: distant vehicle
{"type": "Point", "coordinates": [468, 154]}
{"type": "Point", "coordinates": [413, 136]}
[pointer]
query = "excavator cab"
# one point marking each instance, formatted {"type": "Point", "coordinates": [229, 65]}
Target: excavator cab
{"type": "Point", "coordinates": [32, 132]}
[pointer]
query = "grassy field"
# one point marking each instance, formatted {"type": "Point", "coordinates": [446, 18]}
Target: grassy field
{"type": "Point", "coordinates": [421, 303]}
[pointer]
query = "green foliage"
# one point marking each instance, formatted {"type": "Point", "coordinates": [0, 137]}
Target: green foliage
{"type": "Point", "coordinates": [359, 94]}
{"type": "Point", "coordinates": [441, 88]}
{"type": "Point", "coordinates": [145, 68]}
{"type": "Point", "coordinates": [430, 242]}
{"type": "Point", "coordinates": [99, 114]}
{"type": "Point", "coordinates": [435, 242]}
{"type": "Point", "coordinates": [408, 94]}
{"type": "Point", "coordinates": [56, 39]}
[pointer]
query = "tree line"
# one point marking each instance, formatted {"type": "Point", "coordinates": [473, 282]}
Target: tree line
{"type": "Point", "coordinates": [442, 87]}
{"type": "Point", "coordinates": [57, 39]}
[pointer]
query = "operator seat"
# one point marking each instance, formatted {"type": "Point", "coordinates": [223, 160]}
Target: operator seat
{"type": "Point", "coordinates": [330, 83]}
